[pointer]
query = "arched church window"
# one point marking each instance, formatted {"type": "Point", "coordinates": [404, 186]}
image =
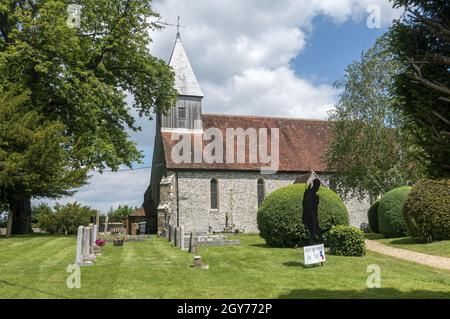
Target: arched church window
{"type": "Point", "coordinates": [214, 194]}
{"type": "Point", "coordinates": [261, 191]}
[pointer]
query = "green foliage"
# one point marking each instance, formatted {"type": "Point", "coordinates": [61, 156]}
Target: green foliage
{"type": "Point", "coordinates": [369, 148]}
{"type": "Point", "coordinates": [32, 156]}
{"type": "Point", "coordinates": [421, 42]}
{"type": "Point", "coordinates": [372, 216]}
{"type": "Point", "coordinates": [427, 210]}
{"type": "Point", "coordinates": [390, 212]}
{"type": "Point", "coordinates": [75, 81]}
{"type": "Point", "coordinates": [41, 209]}
{"type": "Point", "coordinates": [346, 241]}
{"type": "Point", "coordinates": [64, 219]}
{"type": "Point", "coordinates": [120, 213]}
{"type": "Point", "coordinates": [280, 215]}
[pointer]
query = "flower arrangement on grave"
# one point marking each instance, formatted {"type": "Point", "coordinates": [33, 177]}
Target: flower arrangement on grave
{"type": "Point", "coordinates": [119, 239]}
{"type": "Point", "coordinates": [100, 242]}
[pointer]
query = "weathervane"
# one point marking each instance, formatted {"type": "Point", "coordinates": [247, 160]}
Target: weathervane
{"type": "Point", "coordinates": [178, 25]}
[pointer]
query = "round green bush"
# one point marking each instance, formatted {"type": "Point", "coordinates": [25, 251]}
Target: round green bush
{"type": "Point", "coordinates": [346, 241]}
{"type": "Point", "coordinates": [427, 210]}
{"type": "Point", "coordinates": [372, 215]}
{"type": "Point", "coordinates": [390, 212]}
{"type": "Point", "coordinates": [280, 215]}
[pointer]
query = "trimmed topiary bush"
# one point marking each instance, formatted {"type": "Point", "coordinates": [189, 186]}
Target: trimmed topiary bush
{"type": "Point", "coordinates": [372, 215]}
{"type": "Point", "coordinates": [390, 212]}
{"type": "Point", "coordinates": [280, 215]}
{"type": "Point", "coordinates": [427, 210]}
{"type": "Point", "coordinates": [346, 241]}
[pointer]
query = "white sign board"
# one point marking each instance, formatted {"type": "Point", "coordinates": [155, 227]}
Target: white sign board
{"type": "Point", "coordinates": [314, 254]}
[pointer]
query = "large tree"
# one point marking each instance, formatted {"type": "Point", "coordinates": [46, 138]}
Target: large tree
{"type": "Point", "coordinates": [32, 158]}
{"type": "Point", "coordinates": [421, 41]}
{"type": "Point", "coordinates": [369, 150]}
{"type": "Point", "coordinates": [79, 77]}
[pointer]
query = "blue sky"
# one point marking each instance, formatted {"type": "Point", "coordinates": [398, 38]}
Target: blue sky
{"type": "Point", "coordinates": [331, 47]}
{"type": "Point", "coordinates": [251, 57]}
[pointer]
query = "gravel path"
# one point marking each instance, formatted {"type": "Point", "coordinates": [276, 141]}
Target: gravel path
{"type": "Point", "coordinates": [416, 257]}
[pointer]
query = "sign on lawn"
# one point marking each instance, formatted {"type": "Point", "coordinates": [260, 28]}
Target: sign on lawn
{"type": "Point", "coordinates": [314, 254]}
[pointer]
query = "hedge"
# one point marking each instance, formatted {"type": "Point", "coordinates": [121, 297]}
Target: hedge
{"type": "Point", "coordinates": [280, 215]}
{"type": "Point", "coordinates": [390, 212]}
{"type": "Point", "coordinates": [346, 241]}
{"type": "Point", "coordinates": [427, 210]}
{"type": "Point", "coordinates": [372, 216]}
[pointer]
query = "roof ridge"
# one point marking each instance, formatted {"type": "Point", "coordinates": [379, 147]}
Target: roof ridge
{"type": "Point", "coordinates": [266, 116]}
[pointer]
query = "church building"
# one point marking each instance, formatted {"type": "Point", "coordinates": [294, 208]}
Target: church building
{"type": "Point", "coordinates": [224, 193]}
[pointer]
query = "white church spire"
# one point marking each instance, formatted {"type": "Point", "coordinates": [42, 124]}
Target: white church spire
{"type": "Point", "coordinates": [185, 80]}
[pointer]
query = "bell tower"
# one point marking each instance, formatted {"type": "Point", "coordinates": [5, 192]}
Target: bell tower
{"type": "Point", "coordinates": [187, 112]}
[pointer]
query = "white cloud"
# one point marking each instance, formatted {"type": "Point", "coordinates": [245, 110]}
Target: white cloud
{"type": "Point", "coordinates": [277, 92]}
{"type": "Point", "coordinates": [240, 51]}
{"type": "Point", "coordinates": [232, 44]}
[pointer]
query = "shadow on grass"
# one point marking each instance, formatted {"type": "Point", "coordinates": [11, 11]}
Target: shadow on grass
{"type": "Point", "coordinates": [376, 293]}
{"type": "Point", "coordinates": [50, 294]}
{"type": "Point", "coordinates": [261, 246]}
{"type": "Point", "coordinates": [34, 235]}
{"type": "Point", "coordinates": [295, 264]}
{"type": "Point", "coordinates": [373, 236]}
{"type": "Point", "coordinates": [404, 241]}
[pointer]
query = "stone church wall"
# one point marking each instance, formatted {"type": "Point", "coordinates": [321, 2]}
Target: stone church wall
{"type": "Point", "coordinates": [237, 198]}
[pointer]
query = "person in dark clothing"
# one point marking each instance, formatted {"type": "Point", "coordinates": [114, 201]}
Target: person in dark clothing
{"type": "Point", "coordinates": [310, 211]}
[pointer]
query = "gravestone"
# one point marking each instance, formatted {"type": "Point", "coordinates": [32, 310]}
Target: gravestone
{"type": "Point", "coordinates": [181, 238]}
{"type": "Point", "coordinates": [95, 232]}
{"type": "Point", "coordinates": [191, 243]}
{"type": "Point", "coordinates": [82, 252]}
{"type": "Point", "coordinates": [79, 254]}
{"type": "Point", "coordinates": [172, 234]}
{"type": "Point", "coordinates": [106, 224]}
{"type": "Point", "coordinates": [87, 244]}
{"type": "Point", "coordinates": [175, 230]}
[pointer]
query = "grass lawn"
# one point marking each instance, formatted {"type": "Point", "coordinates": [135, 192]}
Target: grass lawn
{"type": "Point", "coordinates": [35, 267]}
{"type": "Point", "coordinates": [440, 248]}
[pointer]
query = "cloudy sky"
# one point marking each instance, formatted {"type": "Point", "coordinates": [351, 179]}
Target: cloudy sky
{"type": "Point", "coordinates": [259, 57]}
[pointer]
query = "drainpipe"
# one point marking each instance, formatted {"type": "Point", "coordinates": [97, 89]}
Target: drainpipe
{"type": "Point", "coordinates": [178, 200]}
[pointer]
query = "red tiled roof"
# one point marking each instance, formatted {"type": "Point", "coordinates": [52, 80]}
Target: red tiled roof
{"type": "Point", "coordinates": [303, 142]}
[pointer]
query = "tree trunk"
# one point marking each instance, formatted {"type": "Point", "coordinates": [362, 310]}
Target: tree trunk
{"type": "Point", "coordinates": [20, 206]}
{"type": "Point", "coordinates": [9, 224]}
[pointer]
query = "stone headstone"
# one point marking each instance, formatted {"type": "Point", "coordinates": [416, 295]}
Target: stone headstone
{"type": "Point", "coordinates": [175, 237]}
{"type": "Point", "coordinates": [172, 234]}
{"type": "Point", "coordinates": [182, 238]}
{"type": "Point", "coordinates": [95, 232]}
{"type": "Point", "coordinates": [79, 253]}
{"type": "Point", "coordinates": [191, 243]}
{"type": "Point", "coordinates": [97, 218]}
{"type": "Point", "coordinates": [106, 224]}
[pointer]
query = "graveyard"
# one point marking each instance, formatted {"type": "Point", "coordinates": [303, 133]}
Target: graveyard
{"type": "Point", "coordinates": [34, 266]}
